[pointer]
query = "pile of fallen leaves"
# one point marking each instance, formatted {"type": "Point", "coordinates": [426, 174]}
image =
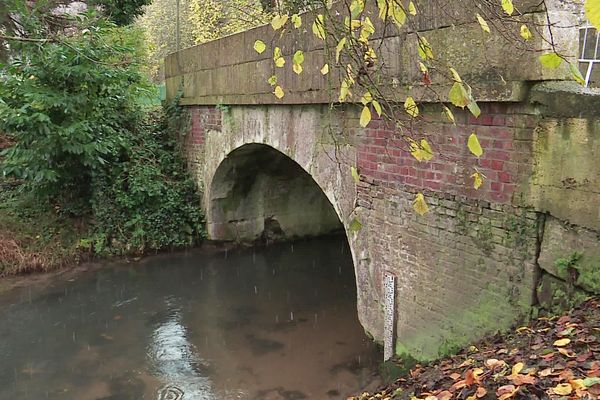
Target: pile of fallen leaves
{"type": "Point", "coordinates": [553, 358]}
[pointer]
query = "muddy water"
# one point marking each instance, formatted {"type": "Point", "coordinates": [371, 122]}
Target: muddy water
{"type": "Point", "coordinates": [272, 323]}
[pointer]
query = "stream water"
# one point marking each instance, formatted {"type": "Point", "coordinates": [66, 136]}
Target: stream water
{"type": "Point", "coordinates": [268, 323]}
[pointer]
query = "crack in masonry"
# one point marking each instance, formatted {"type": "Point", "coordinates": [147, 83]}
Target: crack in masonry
{"type": "Point", "coordinates": [541, 224]}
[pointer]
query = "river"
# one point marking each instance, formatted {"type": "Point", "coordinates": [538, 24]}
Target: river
{"type": "Point", "coordinates": [276, 322]}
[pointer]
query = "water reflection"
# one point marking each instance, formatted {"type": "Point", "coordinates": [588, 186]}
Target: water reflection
{"type": "Point", "coordinates": [275, 324]}
{"type": "Point", "coordinates": [175, 363]}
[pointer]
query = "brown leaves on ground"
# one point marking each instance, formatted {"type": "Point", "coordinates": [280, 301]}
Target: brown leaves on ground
{"type": "Point", "coordinates": [553, 358]}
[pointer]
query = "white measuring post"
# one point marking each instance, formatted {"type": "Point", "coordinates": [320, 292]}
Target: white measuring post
{"type": "Point", "coordinates": [389, 293]}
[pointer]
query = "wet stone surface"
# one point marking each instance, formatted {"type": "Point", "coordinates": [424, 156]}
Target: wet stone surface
{"type": "Point", "coordinates": [277, 323]}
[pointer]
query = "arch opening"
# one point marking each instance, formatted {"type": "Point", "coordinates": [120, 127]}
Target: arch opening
{"type": "Point", "coordinates": [259, 194]}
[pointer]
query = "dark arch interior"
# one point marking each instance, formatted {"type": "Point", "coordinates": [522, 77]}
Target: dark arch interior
{"type": "Point", "coordinates": [260, 194]}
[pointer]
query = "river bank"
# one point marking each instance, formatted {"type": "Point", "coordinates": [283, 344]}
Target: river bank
{"type": "Point", "coordinates": [551, 358]}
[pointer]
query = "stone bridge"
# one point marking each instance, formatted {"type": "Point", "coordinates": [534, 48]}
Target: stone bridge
{"type": "Point", "coordinates": [480, 260]}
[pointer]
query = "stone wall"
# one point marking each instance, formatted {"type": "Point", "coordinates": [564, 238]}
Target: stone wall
{"type": "Point", "coordinates": [467, 268]}
{"type": "Point", "coordinates": [480, 260]}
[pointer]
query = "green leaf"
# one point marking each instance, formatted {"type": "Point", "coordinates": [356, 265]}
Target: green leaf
{"type": "Point", "coordinates": [365, 116]}
{"type": "Point", "coordinates": [474, 108]}
{"type": "Point", "coordinates": [592, 11]}
{"type": "Point", "coordinates": [474, 146]}
{"type": "Point", "coordinates": [508, 7]}
{"type": "Point", "coordinates": [260, 46]}
{"type": "Point", "coordinates": [355, 225]}
{"type": "Point", "coordinates": [576, 74]}
{"type": "Point", "coordinates": [551, 60]}
{"type": "Point", "coordinates": [355, 174]}
{"type": "Point", "coordinates": [298, 57]}
{"type": "Point", "coordinates": [377, 107]}
{"type": "Point", "coordinates": [459, 96]}
{"type": "Point", "coordinates": [272, 80]}
{"type": "Point", "coordinates": [589, 382]}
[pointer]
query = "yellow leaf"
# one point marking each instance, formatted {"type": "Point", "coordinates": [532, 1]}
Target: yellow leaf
{"type": "Point", "coordinates": [551, 60]}
{"type": "Point", "coordinates": [344, 90]}
{"type": "Point", "coordinates": [508, 7]}
{"type": "Point", "coordinates": [367, 98]}
{"type": "Point", "coordinates": [455, 75]}
{"type": "Point", "coordinates": [377, 107]}
{"type": "Point", "coordinates": [355, 174]}
{"type": "Point", "coordinates": [425, 50]}
{"type": "Point", "coordinates": [259, 46]}
{"type": "Point", "coordinates": [278, 92]}
{"type": "Point", "coordinates": [325, 69]}
{"type": "Point", "coordinates": [592, 11]}
{"type": "Point", "coordinates": [279, 21]}
{"type": "Point", "coordinates": [365, 116]}
{"type": "Point", "coordinates": [396, 13]}
{"type": "Point", "coordinates": [478, 178]}
{"type": "Point", "coordinates": [280, 62]}
{"type": "Point", "coordinates": [562, 342]}
{"type": "Point", "coordinates": [296, 21]}
{"type": "Point", "coordinates": [421, 151]}
{"type": "Point", "coordinates": [318, 27]}
{"type": "Point", "coordinates": [276, 53]}
{"type": "Point", "coordinates": [427, 153]}
{"type": "Point", "coordinates": [449, 115]}
{"type": "Point", "coordinates": [562, 389]}
{"type": "Point", "coordinates": [577, 384]}
{"type": "Point", "coordinates": [423, 67]}
{"type": "Point", "coordinates": [518, 367]}
{"type": "Point", "coordinates": [459, 96]}
{"type": "Point", "coordinates": [272, 80]}
{"type": "Point", "coordinates": [412, 10]}
{"type": "Point", "coordinates": [474, 146]}
{"type": "Point", "coordinates": [339, 48]}
{"type": "Point", "coordinates": [525, 32]}
{"type": "Point", "coordinates": [297, 68]}
{"type": "Point", "coordinates": [483, 23]}
{"type": "Point", "coordinates": [420, 205]}
{"type": "Point", "coordinates": [411, 107]}
{"type": "Point", "coordinates": [367, 29]}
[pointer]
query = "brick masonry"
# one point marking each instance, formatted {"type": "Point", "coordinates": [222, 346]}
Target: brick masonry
{"type": "Point", "coordinates": [466, 268]}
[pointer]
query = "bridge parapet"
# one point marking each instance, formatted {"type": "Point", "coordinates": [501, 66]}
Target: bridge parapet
{"type": "Point", "coordinates": [230, 71]}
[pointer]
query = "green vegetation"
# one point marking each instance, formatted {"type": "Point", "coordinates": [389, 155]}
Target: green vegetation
{"type": "Point", "coordinates": [87, 168]}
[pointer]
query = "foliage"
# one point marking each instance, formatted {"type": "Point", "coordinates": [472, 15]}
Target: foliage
{"type": "Point", "coordinates": [552, 358]}
{"type": "Point", "coordinates": [159, 22]}
{"type": "Point", "coordinates": [200, 21]}
{"type": "Point", "coordinates": [351, 32]}
{"type": "Point", "coordinates": [122, 12]}
{"type": "Point", "coordinates": [146, 202]}
{"type": "Point", "coordinates": [69, 106]}
{"type": "Point", "coordinates": [82, 143]}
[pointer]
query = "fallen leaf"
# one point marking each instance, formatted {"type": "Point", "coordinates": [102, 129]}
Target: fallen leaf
{"type": "Point", "coordinates": [562, 342]}
{"type": "Point", "coordinates": [562, 389]}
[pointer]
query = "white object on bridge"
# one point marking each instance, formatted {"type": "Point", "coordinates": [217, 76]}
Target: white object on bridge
{"type": "Point", "coordinates": [389, 293]}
